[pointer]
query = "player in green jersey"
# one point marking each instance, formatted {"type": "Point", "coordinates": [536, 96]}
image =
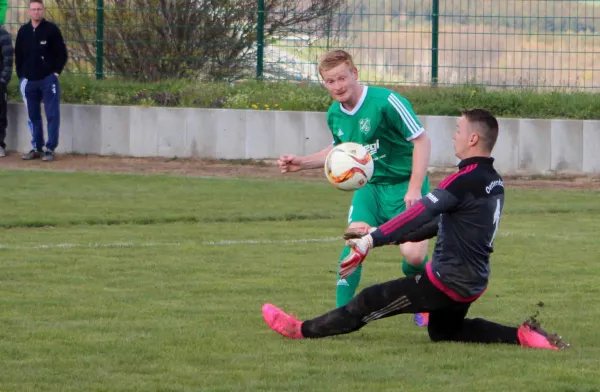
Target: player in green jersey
{"type": "Point", "coordinates": [384, 122]}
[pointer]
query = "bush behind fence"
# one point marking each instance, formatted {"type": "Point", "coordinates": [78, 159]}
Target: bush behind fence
{"type": "Point", "coordinates": [540, 44]}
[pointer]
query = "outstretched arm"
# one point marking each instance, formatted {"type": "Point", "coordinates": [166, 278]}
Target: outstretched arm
{"type": "Point", "coordinates": [418, 219]}
{"type": "Point", "coordinates": [316, 160]}
{"type": "Point", "coordinates": [293, 163]}
{"type": "Point", "coordinates": [409, 226]}
{"type": "Point", "coordinates": [413, 225]}
{"type": "Point", "coordinates": [427, 231]}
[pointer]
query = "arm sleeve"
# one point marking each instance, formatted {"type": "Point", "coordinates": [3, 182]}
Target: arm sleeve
{"type": "Point", "coordinates": [336, 139]}
{"type": "Point", "coordinates": [400, 114]}
{"type": "Point", "coordinates": [7, 57]}
{"type": "Point", "coordinates": [425, 232]}
{"type": "Point", "coordinates": [420, 216]}
{"type": "Point", "coordinates": [18, 55]}
{"type": "Point", "coordinates": [60, 48]}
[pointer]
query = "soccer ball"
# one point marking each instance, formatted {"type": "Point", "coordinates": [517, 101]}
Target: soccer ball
{"type": "Point", "coordinates": [348, 166]}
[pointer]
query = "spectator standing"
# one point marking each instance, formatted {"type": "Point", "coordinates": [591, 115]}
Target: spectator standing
{"type": "Point", "coordinates": [40, 56]}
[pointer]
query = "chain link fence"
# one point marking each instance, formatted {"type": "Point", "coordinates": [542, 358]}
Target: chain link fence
{"type": "Point", "coordinates": [544, 44]}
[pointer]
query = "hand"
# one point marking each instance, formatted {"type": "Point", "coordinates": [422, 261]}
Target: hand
{"type": "Point", "coordinates": [360, 248]}
{"type": "Point", "coordinates": [358, 231]}
{"type": "Point", "coordinates": [289, 163]}
{"type": "Point", "coordinates": [411, 197]}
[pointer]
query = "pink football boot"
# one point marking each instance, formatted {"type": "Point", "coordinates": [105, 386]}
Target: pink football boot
{"type": "Point", "coordinates": [281, 322]}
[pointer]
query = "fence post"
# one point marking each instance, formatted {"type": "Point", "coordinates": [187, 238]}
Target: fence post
{"type": "Point", "coordinates": [435, 33]}
{"type": "Point", "coordinates": [99, 38]}
{"type": "Point", "coordinates": [260, 39]}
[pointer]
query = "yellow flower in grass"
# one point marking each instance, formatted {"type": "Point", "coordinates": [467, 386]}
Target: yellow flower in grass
{"type": "Point", "coordinates": [266, 106]}
{"type": "Point", "coordinates": [254, 106]}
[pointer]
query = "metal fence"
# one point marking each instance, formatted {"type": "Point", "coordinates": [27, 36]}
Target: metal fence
{"type": "Point", "coordinates": [542, 44]}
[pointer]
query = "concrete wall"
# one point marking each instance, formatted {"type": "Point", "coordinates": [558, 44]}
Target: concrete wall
{"type": "Point", "coordinates": [524, 145]}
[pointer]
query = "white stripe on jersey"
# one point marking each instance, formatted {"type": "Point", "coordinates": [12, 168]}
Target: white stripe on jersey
{"type": "Point", "coordinates": [410, 122]}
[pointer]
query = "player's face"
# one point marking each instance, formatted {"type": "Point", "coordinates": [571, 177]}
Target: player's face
{"type": "Point", "coordinates": [341, 82]}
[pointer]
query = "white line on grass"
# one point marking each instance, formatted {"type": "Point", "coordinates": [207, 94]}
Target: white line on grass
{"type": "Point", "coordinates": [235, 242]}
{"type": "Point", "coordinates": [159, 244]}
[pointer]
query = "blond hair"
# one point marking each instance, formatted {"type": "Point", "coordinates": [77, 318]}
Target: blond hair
{"type": "Point", "coordinates": [333, 58]}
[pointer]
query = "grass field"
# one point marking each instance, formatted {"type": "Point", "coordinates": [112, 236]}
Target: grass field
{"type": "Point", "coordinates": [155, 283]}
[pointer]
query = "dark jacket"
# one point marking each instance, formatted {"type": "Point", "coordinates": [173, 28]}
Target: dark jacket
{"type": "Point", "coordinates": [6, 56]}
{"type": "Point", "coordinates": [39, 52]}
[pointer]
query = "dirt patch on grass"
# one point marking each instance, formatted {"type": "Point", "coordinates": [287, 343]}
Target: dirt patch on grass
{"type": "Point", "coordinates": [251, 169]}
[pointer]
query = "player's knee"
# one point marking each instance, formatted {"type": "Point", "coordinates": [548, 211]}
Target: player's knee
{"type": "Point", "coordinates": [415, 259]}
{"type": "Point", "coordinates": [414, 253]}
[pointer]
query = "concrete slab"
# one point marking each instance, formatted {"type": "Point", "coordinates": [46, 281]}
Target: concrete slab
{"type": "Point", "coordinates": [566, 145]}
{"type": "Point", "coordinates": [70, 126]}
{"type": "Point", "coordinates": [171, 126]}
{"type": "Point", "coordinates": [317, 135]}
{"type": "Point", "coordinates": [200, 138]}
{"type": "Point", "coordinates": [115, 130]}
{"type": "Point", "coordinates": [230, 128]}
{"type": "Point", "coordinates": [591, 146]}
{"type": "Point", "coordinates": [289, 133]}
{"type": "Point", "coordinates": [440, 130]}
{"type": "Point", "coordinates": [260, 134]}
{"type": "Point", "coordinates": [506, 151]}
{"type": "Point", "coordinates": [143, 135]}
{"type": "Point", "coordinates": [534, 145]}
{"type": "Point", "coordinates": [18, 136]}
{"type": "Point", "coordinates": [85, 127]}
{"type": "Point", "coordinates": [200, 134]}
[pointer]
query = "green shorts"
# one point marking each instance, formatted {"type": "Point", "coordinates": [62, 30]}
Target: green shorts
{"type": "Point", "coordinates": [376, 204]}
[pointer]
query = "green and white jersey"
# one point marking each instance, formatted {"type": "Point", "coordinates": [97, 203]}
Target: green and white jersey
{"type": "Point", "coordinates": [384, 122]}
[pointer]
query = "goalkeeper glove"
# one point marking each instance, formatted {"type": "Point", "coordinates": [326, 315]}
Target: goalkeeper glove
{"type": "Point", "coordinates": [358, 231]}
{"type": "Point", "coordinates": [360, 248]}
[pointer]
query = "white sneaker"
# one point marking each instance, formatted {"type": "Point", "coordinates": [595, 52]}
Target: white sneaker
{"type": "Point", "coordinates": [2, 153]}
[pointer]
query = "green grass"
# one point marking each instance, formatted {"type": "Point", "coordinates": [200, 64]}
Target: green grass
{"type": "Point", "coordinates": [157, 301]}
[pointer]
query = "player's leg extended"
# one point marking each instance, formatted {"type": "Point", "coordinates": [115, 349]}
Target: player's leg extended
{"type": "Point", "coordinates": [362, 210]}
{"type": "Point", "coordinates": [405, 295]}
{"type": "Point", "coordinates": [450, 324]}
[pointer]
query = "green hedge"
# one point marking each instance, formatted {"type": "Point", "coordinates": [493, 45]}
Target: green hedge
{"type": "Point", "coordinates": [300, 96]}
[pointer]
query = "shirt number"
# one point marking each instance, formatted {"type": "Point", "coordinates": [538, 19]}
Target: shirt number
{"type": "Point", "coordinates": [496, 222]}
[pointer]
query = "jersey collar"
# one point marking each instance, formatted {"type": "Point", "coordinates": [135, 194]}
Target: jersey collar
{"type": "Point", "coordinates": [358, 105]}
{"type": "Point", "coordinates": [471, 160]}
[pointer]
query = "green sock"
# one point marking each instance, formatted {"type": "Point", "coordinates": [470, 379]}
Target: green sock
{"type": "Point", "coordinates": [411, 270]}
{"type": "Point", "coordinates": [346, 287]}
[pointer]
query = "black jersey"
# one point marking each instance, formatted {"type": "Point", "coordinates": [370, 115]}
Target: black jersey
{"type": "Point", "coordinates": [464, 212]}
